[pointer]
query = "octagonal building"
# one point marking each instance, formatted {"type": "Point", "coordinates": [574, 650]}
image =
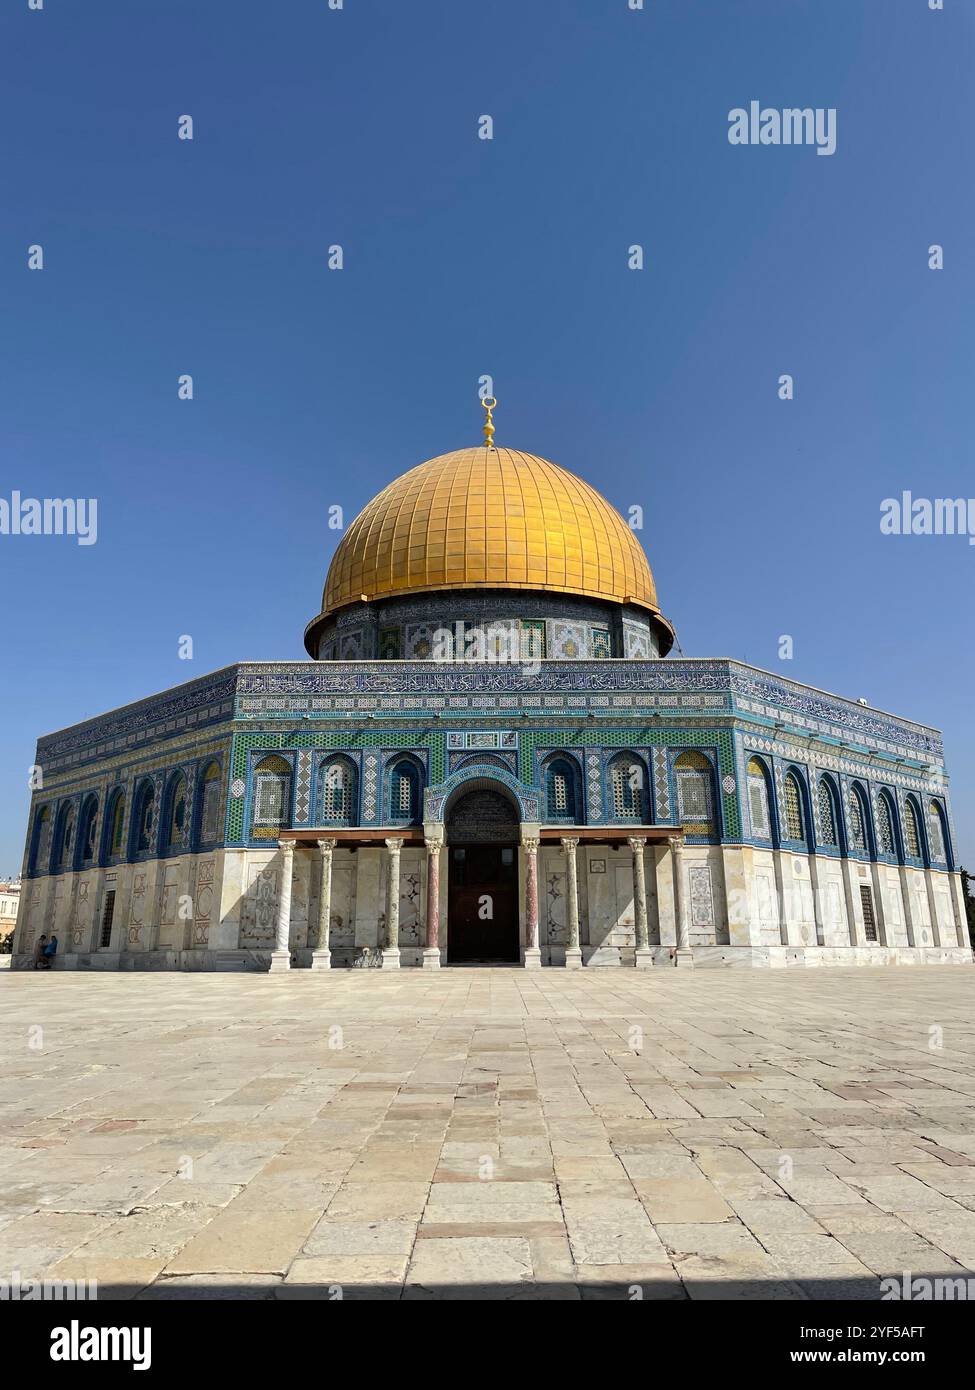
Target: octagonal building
{"type": "Point", "coordinates": [491, 757]}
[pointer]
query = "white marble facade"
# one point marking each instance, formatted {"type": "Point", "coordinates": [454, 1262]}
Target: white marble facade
{"type": "Point", "coordinates": [737, 905]}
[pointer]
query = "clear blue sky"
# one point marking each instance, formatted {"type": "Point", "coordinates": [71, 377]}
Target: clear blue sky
{"type": "Point", "coordinates": [463, 257]}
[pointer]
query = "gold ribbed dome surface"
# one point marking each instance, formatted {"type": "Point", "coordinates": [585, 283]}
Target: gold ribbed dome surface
{"type": "Point", "coordinates": [489, 519]}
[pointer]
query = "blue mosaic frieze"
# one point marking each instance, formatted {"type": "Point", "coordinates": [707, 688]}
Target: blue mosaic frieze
{"type": "Point", "coordinates": [182, 710]}
{"type": "Point", "coordinates": [754, 693]}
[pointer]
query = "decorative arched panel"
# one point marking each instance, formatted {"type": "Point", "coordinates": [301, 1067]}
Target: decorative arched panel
{"type": "Point", "coordinates": [696, 796]}
{"type": "Point", "coordinates": [938, 838]}
{"type": "Point", "coordinates": [87, 831]}
{"type": "Point", "coordinates": [828, 806]}
{"type": "Point", "coordinates": [40, 856]}
{"type": "Point", "coordinates": [208, 818]}
{"type": "Point", "coordinates": [271, 801]}
{"type": "Point", "coordinates": [144, 819]}
{"type": "Point", "coordinates": [64, 839]}
{"type": "Point", "coordinates": [794, 825]}
{"type": "Point", "coordinates": [858, 829]}
{"type": "Point", "coordinates": [887, 846]}
{"type": "Point", "coordinates": [114, 825]}
{"type": "Point", "coordinates": [759, 782]}
{"type": "Point", "coordinates": [176, 813]}
{"type": "Point", "coordinates": [913, 837]}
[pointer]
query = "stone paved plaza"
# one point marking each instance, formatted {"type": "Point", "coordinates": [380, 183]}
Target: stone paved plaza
{"type": "Point", "coordinates": [489, 1133]}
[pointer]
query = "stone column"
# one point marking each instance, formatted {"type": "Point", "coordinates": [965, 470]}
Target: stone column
{"type": "Point", "coordinates": [961, 920]}
{"type": "Point", "coordinates": [932, 907]}
{"type": "Point", "coordinates": [644, 956]}
{"type": "Point", "coordinates": [854, 911]}
{"type": "Point", "coordinates": [532, 956]}
{"type": "Point", "coordinates": [684, 955]}
{"type": "Point", "coordinates": [431, 951]}
{"type": "Point", "coordinates": [391, 959]}
{"type": "Point", "coordinates": [904, 888]}
{"type": "Point", "coordinates": [573, 952]}
{"type": "Point", "coordinates": [321, 956]}
{"type": "Point", "coordinates": [281, 955]}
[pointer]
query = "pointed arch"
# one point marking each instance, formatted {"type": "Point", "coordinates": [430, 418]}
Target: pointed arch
{"type": "Point", "coordinates": [64, 838]}
{"type": "Point", "coordinates": [913, 835]}
{"type": "Point", "coordinates": [887, 837]}
{"type": "Point", "coordinates": [696, 798]}
{"type": "Point", "coordinates": [271, 803]}
{"type": "Point", "coordinates": [828, 806]}
{"type": "Point", "coordinates": [87, 828]}
{"type": "Point", "coordinates": [795, 826]}
{"type": "Point", "coordinates": [404, 791]}
{"type": "Point", "coordinates": [759, 781]}
{"type": "Point", "coordinates": [562, 788]}
{"type": "Point", "coordinates": [40, 855]}
{"type": "Point", "coordinates": [939, 843]}
{"type": "Point", "coordinates": [207, 822]}
{"type": "Point", "coordinates": [144, 819]}
{"type": "Point", "coordinates": [629, 789]}
{"type": "Point", "coordinates": [858, 828]}
{"type": "Point", "coordinates": [114, 824]}
{"type": "Point", "coordinates": [338, 791]}
{"type": "Point", "coordinates": [176, 813]}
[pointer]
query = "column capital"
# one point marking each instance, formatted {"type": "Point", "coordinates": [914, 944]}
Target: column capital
{"type": "Point", "coordinates": [326, 846]}
{"type": "Point", "coordinates": [394, 844]}
{"type": "Point", "coordinates": [676, 843]}
{"type": "Point", "coordinates": [433, 843]}
{"type": "Point", "coordinates": [636, 842]}
{"type": "Point", "coordinates": [286, 846]}
{"type": "Point", "coordinates": [569, 842]}
{"type": "Point", "coordinates": [530, 843]}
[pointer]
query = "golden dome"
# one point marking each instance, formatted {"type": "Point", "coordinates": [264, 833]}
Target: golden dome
{"type": "Point", "coordinates": [489, 519]}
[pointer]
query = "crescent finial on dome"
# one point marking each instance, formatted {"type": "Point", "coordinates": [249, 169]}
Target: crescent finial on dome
{"type": "Point", "coordinates": [489, 404]}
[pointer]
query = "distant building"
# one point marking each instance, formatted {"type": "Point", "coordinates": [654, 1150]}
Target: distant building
{"type": "Point", "coordinates": [491, 757]}
{"type": "Point", "coordinates": [9, 903]}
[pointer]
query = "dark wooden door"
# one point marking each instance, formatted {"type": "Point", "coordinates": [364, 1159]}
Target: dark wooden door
{"type": "Point", "coordinates": [483, 904]}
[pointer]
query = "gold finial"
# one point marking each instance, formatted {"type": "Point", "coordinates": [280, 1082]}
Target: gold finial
{"type": "Point", "coordinates": [489, 403]}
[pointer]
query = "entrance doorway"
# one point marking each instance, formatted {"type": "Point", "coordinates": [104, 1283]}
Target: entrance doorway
{"type": "Point", "coordinates": [482, 882]}
{"type": "Point", "coordinates": [483, 904]}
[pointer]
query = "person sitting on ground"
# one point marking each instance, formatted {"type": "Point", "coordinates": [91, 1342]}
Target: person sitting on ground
{"type": "Point", "coordinates": [50, 951]}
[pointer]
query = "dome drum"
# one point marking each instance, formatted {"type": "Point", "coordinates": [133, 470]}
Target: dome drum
{"type": "Point", "coordinates": [488, 625]}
